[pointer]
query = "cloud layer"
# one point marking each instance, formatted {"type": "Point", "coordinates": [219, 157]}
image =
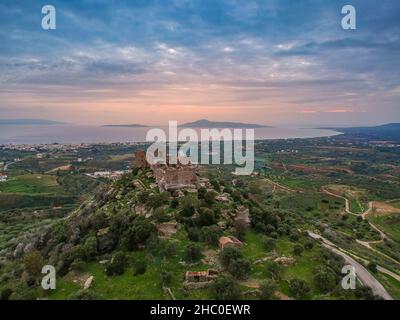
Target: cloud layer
{"type": "Point", "coordinates": [152, 61]}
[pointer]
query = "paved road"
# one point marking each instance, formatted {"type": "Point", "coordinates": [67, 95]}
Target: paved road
{"type": "Point", "coordinates": [9, 164]}
{"type": "Point", "coordinates": [362, 273]}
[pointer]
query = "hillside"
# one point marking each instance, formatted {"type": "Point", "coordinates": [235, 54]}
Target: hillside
{"type": "Point", "coordinates": [389, 131]}
{"type": "Point", "coordinates": [139, 243]}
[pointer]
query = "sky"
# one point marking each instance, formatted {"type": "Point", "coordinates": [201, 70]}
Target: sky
{"type": "Point", "coordinates": [143, 61]}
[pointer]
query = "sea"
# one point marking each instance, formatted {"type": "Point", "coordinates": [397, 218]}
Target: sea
{"type": "Point", "coordinates": [45, 134]}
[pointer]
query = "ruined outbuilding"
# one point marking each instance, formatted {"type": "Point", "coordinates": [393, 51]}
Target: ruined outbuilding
{"type": "Point", "coordinates": [166, 229]}
{"type": "Point", "coordinates": [199, 279]}
{"type": "Point", "coordinates": [225, 242]}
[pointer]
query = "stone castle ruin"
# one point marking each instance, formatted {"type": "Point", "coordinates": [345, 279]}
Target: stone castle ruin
{"type": "Point", "coordinates": [169, 177]}
{"type": "Point", "coordinates": [140, 161]}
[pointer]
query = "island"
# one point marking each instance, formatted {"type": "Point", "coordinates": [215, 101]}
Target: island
{"type": "Point", "coordinates": [203, 123]}
{"type": "Point", "coordinates": [133, 125]}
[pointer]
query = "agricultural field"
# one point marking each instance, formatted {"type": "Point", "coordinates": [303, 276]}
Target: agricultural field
{"type": "Point", "coordinates": [31, 183]}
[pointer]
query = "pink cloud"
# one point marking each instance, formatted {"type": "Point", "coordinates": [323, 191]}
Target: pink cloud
{"type": "Point", "coordinates": [340, 111]}
{"type": "Point", "coordinates": [308, 111]}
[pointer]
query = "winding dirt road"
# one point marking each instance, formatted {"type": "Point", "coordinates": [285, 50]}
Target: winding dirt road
{"type": "Point", "coordinates": [366, 244]}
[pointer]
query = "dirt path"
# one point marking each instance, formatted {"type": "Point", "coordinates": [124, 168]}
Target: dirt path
{"type": "Point", "coordinates": [364, 217]}
{"type": "Point", "coordinates": [276, 184]}
{"type": "Point", "coordinates": [362, 273]}
{"type": "Point", "coordinates": [366, 244]}
{"type": "Point", "coordinates": [346, 201]}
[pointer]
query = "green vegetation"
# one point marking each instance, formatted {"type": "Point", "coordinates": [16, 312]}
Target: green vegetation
{"type": "Point", "coordinates": [138, 242]}
{"type": "Point", "coordinates": [390, 224]}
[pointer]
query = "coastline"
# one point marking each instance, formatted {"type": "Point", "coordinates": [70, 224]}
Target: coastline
{"type": "Point", "coordinates": [76, 134]}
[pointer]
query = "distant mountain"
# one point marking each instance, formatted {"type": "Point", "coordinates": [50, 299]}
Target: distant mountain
{"type": "Point", "coordinates": [203, 123]}
{"type": "Point", "coordinates": [21, 122]}
{"type": "Point", "coordinates": [133, 125]}
{"type": "Point", "coordinates": [390, 131]}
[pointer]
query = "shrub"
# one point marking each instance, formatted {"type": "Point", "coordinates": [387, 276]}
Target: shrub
{"type": "Point", "coordinates": [298, 288]}
{"type": "Point", "coordinates": [269, 243]}
{"type": "Point", "coordinates": [194, 234]}
{"type": "Point", "coordinates": [23, 292]}
{"type": "Point", "coordinates": [117, 264]}
{"type": "Point", "coordinates": [298, 249]}
{"type": "Point", "coordinates": [169, 250]}
{"type": "Point", "coordinates": [201, 192]}
{"type": "Point", "coordinates": [174, 203]}
{"type": "Point", "coordinates": [269, 228]}
{"type": "Point", "coordinates": [324, 279]}
{"type": "Point", "coordinates": [77, 265]}
{"type": "Point", "coordinates": [267, 289]}
{"type": "Point", "coordinates": [372, 267]}
{"type": "Point", "coordinates": [33, 263]}
{"type": "Point", "coordinates": [189, 204]}
{"type": "Point", "coordinates": [158, 200]}
{"type": "Point", "coordinates": [276, 270]}
{"type": "Point", "coordinates": [240, 227]}
{"type": "Point", "coordinates": [210, 234]}
{"type": "Point", "coordinates": [365, 293]}
{"type": "Point", "coordinates": [139, 267]}
{"type": "Point", "coordinates": [236, 195]}
{"type": "Point", "coordinates": [274, 235]}
{"type": "Point", "coordinates": [215, 185]}
{"type": "Point", "coordinates": [209, 197]}
{"type": "Point", "coordinates": [294, 235]}
{"type": "Point", "coordinates": [166, 277]}
{"type": "Point", "coordinates": [193, 252]}
{"type": "Point", "coordinates": [206, 217]}
{"type": "Point", "coordinates": [143, 196]}
{"type": "Point", "coordinates": [89, 248]}
{"type": "Point", "coordinates": [239, 268]}
{"type": "Point", "coordinates": [309, 244]}
{"type": "Point", "coordinates": [228, 189]}
{"type": "Point", "coordinates": [6, 294]}
{"type": "Point", "coordinates": [228, 255]}
{"type": "Point", "coordinates": [160, 215]}
{"type": "Point", "coordinates": [225, 288]}
{"type": "Point", "coordinates": [138, 233]}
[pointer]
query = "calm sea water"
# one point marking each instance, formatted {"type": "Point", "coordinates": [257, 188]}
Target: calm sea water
{"type": "Point", "coordinates": [94, 134]}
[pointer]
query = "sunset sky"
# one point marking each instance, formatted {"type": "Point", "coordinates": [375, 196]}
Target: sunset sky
{"type": "Point", "coordinates": [143, 61]}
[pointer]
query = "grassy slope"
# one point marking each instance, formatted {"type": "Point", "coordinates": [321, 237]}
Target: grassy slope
{"type": "Point", "coordinates": [390, 224]}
